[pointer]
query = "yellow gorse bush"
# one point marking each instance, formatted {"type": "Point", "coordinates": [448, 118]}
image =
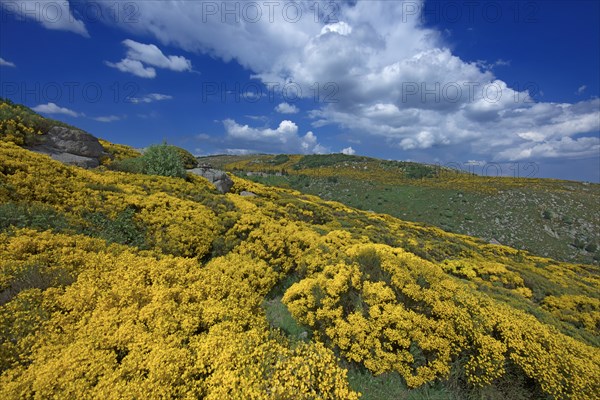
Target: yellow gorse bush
{"type": "Point", "coordinates": [138, 325]}
{"type": "Point", "coordinates": [420, 320]}
{"type": "Point", "coordinates": [182, 316]}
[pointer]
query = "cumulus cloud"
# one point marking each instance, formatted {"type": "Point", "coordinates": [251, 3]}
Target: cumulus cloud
{"type": "Point", "coordinates": [349, 151]}
{"type": "Point", "coordinates": [391, 79]}
{"type": "Point", "coordinates": [52, 108]}
{"type": "Point", "coordinates": [51, 14]}
{"type": "Point", "coordinates": [286, 108]}
{"type": "Point", "coordinates": [134, 67]}
{"type": "Point", "coordinates": [283, 139]}
{"type": "Point", "coordinates": [150, 98]}
{"type": "Point", "coordinates": [581, 89]}
{"type": "Point", "coordinates": [141, 58]}
{"type": "Point", "coordinates": [4, 63]}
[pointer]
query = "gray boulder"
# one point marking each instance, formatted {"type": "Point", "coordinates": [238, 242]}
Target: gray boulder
{"type": "Point", "coordinates": [73, 141]}
{"type": "Point", "coordinates": [71, 146]}
{"type": "Point", "coordinates": [218, 178]}
{"type": "Point", "coordinates": [245, 193]}
{"type": "Point", "coordinates": [73, 159]}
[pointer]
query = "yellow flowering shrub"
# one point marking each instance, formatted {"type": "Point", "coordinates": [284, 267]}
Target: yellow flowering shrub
{"type": "Point", "coordinates": [421, 321]}
{"type": "Point", "coordinates": [486, 272]}
{"type": "Point", "coordinates": [134, 325]}
{"type": "Point", "coordinates": [13, 130]}
{"type": "Point", "coordinates": [177, 226]}
{"type": "Point", "coordinates": [182, 315]}
{"type": "Point", "coordinates": [577, 309]}
{"type": "Point", "coordinates": [118, 152]}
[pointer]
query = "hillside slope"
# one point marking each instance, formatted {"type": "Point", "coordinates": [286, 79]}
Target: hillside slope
{"type": "Point", "coordinates": [550, 218]}
{"type": "Point", "coordinates": [121, 285]}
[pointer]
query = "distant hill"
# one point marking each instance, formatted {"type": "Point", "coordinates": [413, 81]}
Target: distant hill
{"type": "Point", "coordinates": [147, 282]}
{"type": "Point", "coordinates": [551, 218]}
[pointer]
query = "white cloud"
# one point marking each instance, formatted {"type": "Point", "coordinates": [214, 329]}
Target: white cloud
{"type": "Point", "coordinates": [340, 28]}
{"type": "Point", "coordinates": [262, 118]}
{"type": "Point", "coordinates": [565, 147]}
{"type": "Point", "coordinates": [134, 67]}
{"type": "Point", "coordinates": [108, 118]}
{"type": "Point", "coordinates": [349, 151]}
{"type": "Point", "coordinates": [581, 89]}
{"type": "Point", "coordinates": [283, 139]}
{"type": "Point", "coordinates": [392, 79]}
{"type": "Point", "coordinates": [286, 108]}
{"type": "Point", "coordinates": [532, 136]}
{"type": "Point", "coordinates": [150, 54]}
{"type": "Point", "coordinates": [150, 98]}
{"type": "Point", "coordinates": [489, 66]}
{"type": "Point", "coordinates": [52, 108]}
{"type": "Point", "coordinates": [475, 163]}
{"type": "Point", "coordinates": [139, 55]}
{"type": "Point", "coordinates": [239, 152]}
{"type": "Point", "coordinates": [4, 63]}
{"type": "Point", "coordinates": [55, 15]}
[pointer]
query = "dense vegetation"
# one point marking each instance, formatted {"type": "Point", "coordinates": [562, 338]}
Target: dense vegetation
{"type": "Point", "coordinates": [163, 160]}
{"type": "Point", "coordinates": [122, 285]}
{"type": "Point", "coordinates": [550, 218]}
{"type": "Point", "coordinates": [20, 125]}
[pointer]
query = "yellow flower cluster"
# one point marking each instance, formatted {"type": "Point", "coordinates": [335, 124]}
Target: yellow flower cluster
{"type": "Point", "coordinates": [177, 224]}
{"type": "Point", "coordinates": [183, 317]}
{"type": "Point", "coordinates": [134, 325]}
{"type": "Point", "coordinates": [118, 151]}
{"type": "Point", "coordinates": [15, 131]}
{"type": "Point", "coordinates": [487, 273]}
{"type": "Point", "coordinates": [417, 321]}
{"type": "Point", "coordinates": [576, 309]}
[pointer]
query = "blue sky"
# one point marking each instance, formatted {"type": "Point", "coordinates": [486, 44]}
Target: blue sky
{"type": "Point", "coordinates": [486, 86]}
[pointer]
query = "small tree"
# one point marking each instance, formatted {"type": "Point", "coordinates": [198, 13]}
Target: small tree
{"type": "Point", "coordinates": [163, 160]}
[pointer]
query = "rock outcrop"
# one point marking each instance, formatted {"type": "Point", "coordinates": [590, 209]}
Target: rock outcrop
{"type": "Point", "coordinates": [71, 146]}
{"type": "Point", "coordinates": [218, 178]}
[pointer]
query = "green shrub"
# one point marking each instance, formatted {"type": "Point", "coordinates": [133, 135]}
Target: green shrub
{"type": "Point", "coordinates": [419, 171]}
{"type": "Point", "coordinates": [132, 165]}
{"type": "Point", "coordinates": [163, 160]}
{"type": "Point", "coordinates": [31, 216]}
{"type": "Point", "coordinates": [279, 159]}
{"type": "Point", "coordinates": [188, 159]}
{"type": "Point", "coordinates": [124, 229]}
